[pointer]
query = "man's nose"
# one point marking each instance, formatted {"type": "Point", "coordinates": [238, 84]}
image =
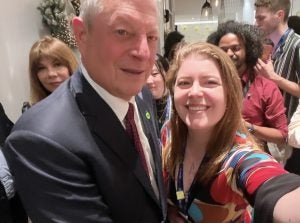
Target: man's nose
{"type": "Point", "coordinates": [142, 49]}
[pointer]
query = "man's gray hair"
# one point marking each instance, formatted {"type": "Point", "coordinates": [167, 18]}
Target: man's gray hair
{"type": "Point", "coordinates": [89, 9]}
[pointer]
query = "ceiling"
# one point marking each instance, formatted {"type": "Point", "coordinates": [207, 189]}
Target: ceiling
{"type": "Point", "coordinates": [186, 10]}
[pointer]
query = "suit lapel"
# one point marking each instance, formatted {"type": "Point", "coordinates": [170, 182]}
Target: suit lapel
{"type": "Point", "coordinates": [105, 125]}
{"type": "Point", "coordinates": [150, 133]}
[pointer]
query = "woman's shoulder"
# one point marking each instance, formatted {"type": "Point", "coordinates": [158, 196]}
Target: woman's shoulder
{"type": "Point", "coordinates": [244, 151]}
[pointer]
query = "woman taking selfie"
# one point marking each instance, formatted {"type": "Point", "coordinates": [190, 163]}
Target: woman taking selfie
{"type": "Point", "coordinates": [214, 170]}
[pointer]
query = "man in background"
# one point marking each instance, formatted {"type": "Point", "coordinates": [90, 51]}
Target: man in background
{"type": "Point", "coordinates": [89, 151]}
{"type": "Point", "coordinates": [271, 18]}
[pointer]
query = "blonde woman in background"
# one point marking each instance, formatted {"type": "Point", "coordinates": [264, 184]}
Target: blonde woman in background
{"type": "Point", "coordinates": [51, 62]}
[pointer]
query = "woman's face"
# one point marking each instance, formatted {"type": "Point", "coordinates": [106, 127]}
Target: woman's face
{"type": "Point", "coordinates": [155, 83]}
{"type": "Point", "coordinates": [199, 94]}
{"type": "Point", "coordinates": [52, 73]}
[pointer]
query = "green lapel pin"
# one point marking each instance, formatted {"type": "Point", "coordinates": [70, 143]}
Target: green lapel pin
{"type": "Point", "coordinates": [148, 116]}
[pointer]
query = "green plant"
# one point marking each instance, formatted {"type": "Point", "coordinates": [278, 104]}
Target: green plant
{"type": "Point", "coordinates": [56, 15]}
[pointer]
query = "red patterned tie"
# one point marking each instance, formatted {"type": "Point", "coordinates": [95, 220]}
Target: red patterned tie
{"type": "Point", "coordinates": [134, 136]}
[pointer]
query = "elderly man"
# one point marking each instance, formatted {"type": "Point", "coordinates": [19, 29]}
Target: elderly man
{"type": "Point", "coordinates": [88, 153]}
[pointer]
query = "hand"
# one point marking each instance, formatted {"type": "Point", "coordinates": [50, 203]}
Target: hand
{"type": "Point", "coordinates": [266, 69]}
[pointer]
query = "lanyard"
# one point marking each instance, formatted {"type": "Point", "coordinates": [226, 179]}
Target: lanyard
{"type": "Point", "coordinates": [279, 45]}
{"type": "Point", "coordinates": [182, 198]}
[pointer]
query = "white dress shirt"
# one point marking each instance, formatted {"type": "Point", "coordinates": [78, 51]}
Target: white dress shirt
{"type": "Point", "coordinates": [120, 108]}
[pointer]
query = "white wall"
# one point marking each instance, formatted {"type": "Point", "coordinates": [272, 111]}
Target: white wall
{"type": "Point", "coordinates": [295, 7]}
{"type": "Point", "coordinates": [20, 26]}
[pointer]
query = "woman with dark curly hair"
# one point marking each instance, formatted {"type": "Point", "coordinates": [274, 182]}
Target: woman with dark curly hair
{"type": "Point", "coordinates": [263, 104]}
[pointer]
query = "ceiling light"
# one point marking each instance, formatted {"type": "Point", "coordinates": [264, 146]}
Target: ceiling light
{"type": "Point", "coordinates": [216, 3]}
{"type": "Point", "coordinates": [206, 9]}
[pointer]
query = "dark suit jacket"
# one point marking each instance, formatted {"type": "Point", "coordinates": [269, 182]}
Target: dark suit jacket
{"type": "Point", "coordinates": [73, 161]}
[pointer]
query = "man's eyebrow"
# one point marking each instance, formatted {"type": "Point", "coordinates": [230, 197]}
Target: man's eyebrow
{"type": "Point", "coordinates": [119, 19]}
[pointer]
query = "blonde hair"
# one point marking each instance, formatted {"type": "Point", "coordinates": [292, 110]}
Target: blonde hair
{"type": "Point", "coordinates": [52, 48]}
{"type": "Point", "coordinates": [224, 132]}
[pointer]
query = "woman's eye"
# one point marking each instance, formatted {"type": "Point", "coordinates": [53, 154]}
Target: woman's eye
{"type": "Point", "coordinates": [212, 83]}
{"type": "Point", "coordinates": [40, 68]}
{"type": "Point", "coordinates": [154, 74]}
{"type": "Point", "coordinates": [183, 83]}
{"type": "Point", "coordinates": [57, 64]}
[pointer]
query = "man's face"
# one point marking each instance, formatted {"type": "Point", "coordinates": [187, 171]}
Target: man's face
{"type": "Point", "coordinates": [266, 20]}
{"type": "Point", "coordinates": [119, 49]}
{"type": "Point", "coordinates": [235, 49]}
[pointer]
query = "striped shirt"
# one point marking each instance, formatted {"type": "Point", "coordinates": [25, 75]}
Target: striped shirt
{"type": "Point", "coordinates": [287, 65]}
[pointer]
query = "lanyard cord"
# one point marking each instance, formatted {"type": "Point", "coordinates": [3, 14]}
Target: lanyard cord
{"type": "Point", "coordinates": [182, 198]}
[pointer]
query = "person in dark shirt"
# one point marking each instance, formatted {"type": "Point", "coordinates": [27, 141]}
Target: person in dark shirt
{"type": "Point", "coordinates": [11, 210]}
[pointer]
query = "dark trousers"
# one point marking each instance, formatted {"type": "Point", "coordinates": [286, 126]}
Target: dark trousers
{"type": "Point", "coordinates": [12, 211]}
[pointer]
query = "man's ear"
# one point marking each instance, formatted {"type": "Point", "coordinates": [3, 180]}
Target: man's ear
{"type": "Point", "coordinates": [280, 14]}
{"type": "Point", "coordinates": [80, 31]}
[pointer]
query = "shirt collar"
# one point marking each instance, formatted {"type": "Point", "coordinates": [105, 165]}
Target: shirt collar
{"type": "Point", "coordinates": [245, 77]}
{"type": "Point", "coordinates": [118, 105]}
{"type": "Point", "coordinates": [279, 47]}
